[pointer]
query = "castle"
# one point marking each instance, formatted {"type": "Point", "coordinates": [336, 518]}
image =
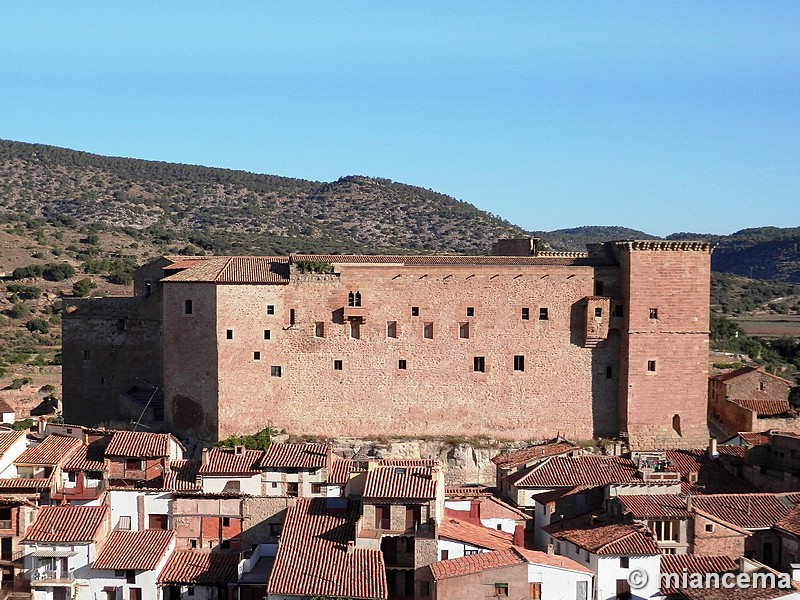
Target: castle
{"type": "Point", "coordinates": [520, 344]}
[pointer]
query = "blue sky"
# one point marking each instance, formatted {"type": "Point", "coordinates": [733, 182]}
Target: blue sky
{"type": "Point", "coordinates": [664, 117]}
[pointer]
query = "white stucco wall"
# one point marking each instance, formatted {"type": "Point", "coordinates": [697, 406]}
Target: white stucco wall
{"type": "Point", "coordinates": [608, 571]}
{"type": "Point", "coordinates": [126, 503]}
{"type": "Point", "coordinates": [247, 485]}
{"type": "Point", "coordinates": [7, 469]}
{"type": "Point", "coordinates": [558, 584]}
{"type": "Point", "coordinates": [456, 549]}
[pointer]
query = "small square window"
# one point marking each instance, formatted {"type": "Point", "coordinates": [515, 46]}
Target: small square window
{"type": "Point", "coordinates": [256, 355]}
{"type": "Point", "coordinates": [229, 334]}
{"type": "Point", "coordinates": [653, 313]}
{"type": "Point", "coordinates": [193, 544]}
{"type": "Point", "coordinates": [470, 311]}
{"type": "Point", "coordinates": [463, 331]}
{"type": "Point", "coordinates": [319, 329]}
{"type": "Point", "coordinates": [624, 562]}
{"type": "Point", "coordinates": [401, 364]}
{"type": "Point", "coordinates": [267, 334]}
{"type": "Point", "coordinates": [337, 365]}
{"type": "Point", "coordinates": [190, 591]}
{"type": "Point", "coordinates": [618, 311]}
{"type": "Point", "coordinates": [270, 309]}
{"type": "Point", "coordinates": [124, 523]}
{"type": "Point", "coordinates": [709, 527]}
{"type": "Point", "coordinates": [275, 371]}
{"type": "Point", "coordinates": [427, 331]}
{"type": "Point", "coordinates": [479, 364]}
{"type": "Point", "coordinates": [651, 366]}
{"type": "Point", "coordinates": [519, 362]}
{"type": "Point", "coordinates": [501, 590]}
{"type": "Point", "coordinates": [415, 311]}
{"type": "Point", "coordinates": [544, 314]}
{"type": "Point", "coordinates": [391, 329]}
{"type": "Point", "coordinates": [598, 312]}
{"type": "Point", "coordinates": [526, 314]}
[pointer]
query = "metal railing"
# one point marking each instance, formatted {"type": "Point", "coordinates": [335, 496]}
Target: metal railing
{"type": "Point", "coordinates": [52, 575]}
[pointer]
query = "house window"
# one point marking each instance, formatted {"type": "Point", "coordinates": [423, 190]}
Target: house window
{"type": "Point", "coordinates": [337, 365]}
{"type": "Point", "coordinates": [355, 329]}
{"type": "Point", "coordinates": [427, 331]}
{"type": "Point", "coordinates": [190, 591]}
{"type": "Point", "coordinates": [316, 488]}
{"type": "Point", "coordinates": [598, 313]}
{"type": "Point", "coordinates": [193, 544]}
{"type": "Point", "coordinates": [319, 329]}
{"type": "Point", "coordinates": [157, 522]}
{"type": "Point", "coordinates": [470, 311]}
{"type": "Point", "coordinates": [762, 386]}
{"type": "Point", "coordinates": [229, 334]}
{"type": "Point", "coordinates": [267, 334]}
{"type": "Point", "coordinates": [187, 307]}
{"type": "Point", "coordinates": [463, 331]}
{"type": "Point", "coordinates": [651, 366]}
{"type": "Point", "coordinates": [391, 329]}
{"type": "Point", "coordinates": [526, 313]}
{"type": "Point", "coordinates": [471, 552]}
{"type": "Point", "coordinates": [709, 527]}
{"type": "Point", "coordinates": [358, 299]}
{"type": "Point", "coordinates": [133, 464]}
{"type": "Point", "coordinates": [226, 521]}
{"type": "Point", "coordinates": [292, 489]}
{"type": "Point", "coordinates": [624, 562]}
{"type": "Point", "coordinates": [609, 372]}
{"type": "Point", "coordinates": [519, 362]}
{"type": "Point", "coordinates": [256, 355]}
{"type": "Point", "coordinates": [415, 311]}
{"type": "Point", "coordinates": [275, 371]}
{"type": "Point", "coordinates": [124, 523]}
{"type": "Point", "coordinates": [225, 545]}
{"type": "Point", "coordinates": [535, 591]}
{"type": "Point", "coordinates": [401, 364]}
{"type": "Point", "coordinates": [501, 590]}
{"type": "Point", "coordinates": [232, 486]}
{"type": "Point", "coordinates": [543, 314]}
{"type": "Point", "coordinates": [270, 309]}
{"type": "Point", "coordinates": [479, 364]}
{"type": "Point", "coordinates": [653, 313]}
{"type": "Point", "coordinates": [581, 590]}
{"type": "Point", "coordinates": [445, 554]}
{"type": "Point", "coordinates": [292, 317]}
{"type": "Point", "coordinates": [130, 576]}
{"type": "Point", "coordinates": [665, 531]}
{"type": "Point", "coordinates": [618, 311]}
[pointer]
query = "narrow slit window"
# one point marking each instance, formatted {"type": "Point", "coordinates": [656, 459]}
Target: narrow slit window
{"type": "Point", "coordinates": [544, 314]}
{"type": "Point", "coordinates": [479, 364]}
{"type": "Point", "coordinates": [270, 309]}
{"type": "Point", "coordinates": [337, 365]}
{"type": "Point", "coordinates": [526, 314]}
{"type": "Point", "coordinates": [519, 362]}
{"type": "Point", "coordinates": [267, 334]}
{"type": "Point", "coordinates": [256, 355]}
{"type": "Point", "coordinates": [358, 299]}
{"type": "Point", "coordinates": [319, 329]}
{"type": "Point", "coordinates": [463, 331]}
{"type": "Point", "coordinates": [229, 334]}
{"type": "Point", "coordinates": [427, 331]}
{"type": "Point", "coordinates": [391, 329]}
{"type": "Point", "coordinates": [188, 307]}
{"type": "Point", "coordinates": [292, 317]}
{"type": "Point", "coordinates": [401, 364]}
{"type": "Point", "coordinates": [653, 313]}
{"type": "Point", "coordinates": [351, 299]}
{"type": "Point", "coordinates": [651, 366]}
{"type": "Point", "coordinates": [609, 372]}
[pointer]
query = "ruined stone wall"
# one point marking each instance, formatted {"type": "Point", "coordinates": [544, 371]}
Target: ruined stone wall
{"type": "Point", "coordinates": [663, 391]}
{"type": "Point", "coordinates": [563, 389]}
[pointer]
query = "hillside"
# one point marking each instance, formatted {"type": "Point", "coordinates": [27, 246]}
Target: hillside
{"type": "Point", "coordinates": [234, 212]}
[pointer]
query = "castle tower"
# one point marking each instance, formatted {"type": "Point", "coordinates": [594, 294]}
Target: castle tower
{"type": "Point", "coordinates": [664, 357]}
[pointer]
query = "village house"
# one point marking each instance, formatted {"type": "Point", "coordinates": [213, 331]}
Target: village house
{"type": "Point", "coordinates": [485, 509]}
{"type": "Point", "coordinates": [200, 575]}
{"type": "Point", "coordinates": [457, 538]}
{"type": "Point", "coordinates": [296, 470]}
{"type": "Point", "coordinates": [230, 470]}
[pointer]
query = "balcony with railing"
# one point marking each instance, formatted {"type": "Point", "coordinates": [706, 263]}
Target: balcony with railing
{"type": "Point", "coordinates": [52, 577]}
{"type": "Point", "coordinates": [82, 488]}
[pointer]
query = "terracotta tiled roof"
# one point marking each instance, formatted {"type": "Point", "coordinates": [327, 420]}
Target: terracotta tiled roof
{"type": "Point", "coordinates": [408, 462]}
{"type": "Point", "coordinates": [655, 506]}
{"type": "Point", "coordinates": [5, 407]}
{"type": "Point", "coordinates": [692, 563]}
{"type": "Point", "coordinates": [67, 524]}
{"type": "Point", "coordinates": [25, 483]}
{"type": "Point", "coordinates": [89, 457]}
{"type": "Point", "coordinates": [749, 511]}
{"type": "Point", "coordinates": [136, 550]}
{"type": "Point", "coordinates": [226, 461]}
{"type": "Point", "coordinates": [712, 478]}
{"type": "Point", "coordinates": [566, 259]}
{"type": "Point", "coordinates": [763, 407]}
{"type": "Point", "coordinates": [7, 439]}
{"type": "Point", "coordinates": [618, 539]}
{"type": "Point", "coordinates": [467, 491]}
{"type": "Point", "coordinates": [139, 444]}
{"type": "Point", "coordinates": [200, 567]}
{"type": "Point", "coordinates": [477, 535]}
{"type": "Point", "coordinates": [484, 561]}
{"type": "Point", "coordinates": [791, 522]}
{"type": "Point", "coordinates": [753, 438]}
{"type": "Point", "coordinates": [51, 451]}
{"type": "Point", "coordinates": [298, 456]}
{"type": "Point", "coordinates": [568, 471]}
{"type": "Point", "coordinates": [235, 269]}
{"type": "Point", "coordinates": [401, 482]}
{"type": "Point", "coordinates": [735, 452]}
{"type": "Point", "coordinates": [508, 460]}
{"type": "Point", "coordinates": [313, 560]}
{"type": "Point", "coordinates": [551, 560]}
{"type": "Point", "coordinates": [494, 508]}
{"type": "Point", "coordinates": [182, 476]}
{"type": "Point", "coordinates": [340, 470]}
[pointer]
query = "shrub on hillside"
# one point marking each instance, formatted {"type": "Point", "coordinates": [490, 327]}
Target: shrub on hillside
{"type": "Point", "coordinates": [83, 287]}
{"type": "Point", "coordinates": [39, 325]}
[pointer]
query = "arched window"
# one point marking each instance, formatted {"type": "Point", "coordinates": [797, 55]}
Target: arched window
{"type": "Point", "coordinates": [676, 424]}
{"type": "Point", "coordinates": [351, 299]}
{"type": "Point", "coordinates": [358, 299]}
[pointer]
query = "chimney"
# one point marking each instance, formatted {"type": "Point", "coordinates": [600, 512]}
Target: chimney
{"type": "Point", "coordinates": [351, 547]}
{"type": "Point", "coordinates": [713, 452]}
{"type": "Point", "coordinates": [551, 549]}
{"type": "Point", "coordinates": [689, 503]}
{"type": "Point", "coordinates": [204, 456]}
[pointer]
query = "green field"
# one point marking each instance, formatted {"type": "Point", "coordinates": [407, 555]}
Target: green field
{"type": "Point", "coordinates": [770, 326]}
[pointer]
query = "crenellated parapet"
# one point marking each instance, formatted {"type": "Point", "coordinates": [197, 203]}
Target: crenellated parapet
{"type": "Point", "coordinates": [651, 245]}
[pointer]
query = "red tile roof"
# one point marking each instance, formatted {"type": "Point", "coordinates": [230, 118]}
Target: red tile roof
{"type": "Point", "coordinates": [136, 550]}
{"type": "Point", "coordinates": [712, 478]}
{"type": "Point", "coordinates": [762, 406]}
{"type": "Point", "coordinates": [51, 451]}
{"type": "Point", "coordinates": [655, 506]}
{"type": "Point", "coordinates": [617, 539]}
{"type": "Point", "coordinates": [88, 457]}
{"type": "Point", "coordinates": [139, 444]}
{"type": "Point", "coordinates": [551, 258]}
{"type": "Point", "coordinates": [234, 269]}
{"type": "Point", "coordinates": [25, 483]}
{"type": "Point", "coordinates": [692, 563]}
{"type": "Point", "coordinates": [753, 438]}
{"type": "Point", "coordinates": [226, 461]}
{"type": "Point", "coordinates": [297, 456]}
{"type": "Point", "coordinates": [408, 462]}
{"type": "Point", "coordinates": [467, 491]}
{"type": "Point", "coordinates": [5, 407]}
{"type": "Point", "coordinates": [508, 460]}
{"type": "Point", "coordinates": [749, 511]}
{"type": "Point", "coordinates": [569, 471]}
{"type": "Point", "coordinates": [401, 482]}
{"type": "Point", "coordinates": [200, 567]}
{"type": "Point", "coordinates": [340, 470]}
{"type": "Point", "coordinates": [67, 524]}
{"type": "Point", "coordinates": [791, 522]}
{"type": "Point", "coordinates": [476, 535]}
{"type": "Point", "coordinates": [313, 560]}
{"type": "Point", "coordinates": [8, 438]}
{"type": "Point", "coordinates": [182, 476]}
{"type": "Point", "coordinates": [552, 560]}
{"type": "Point", "coordinates": [475, 563]}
